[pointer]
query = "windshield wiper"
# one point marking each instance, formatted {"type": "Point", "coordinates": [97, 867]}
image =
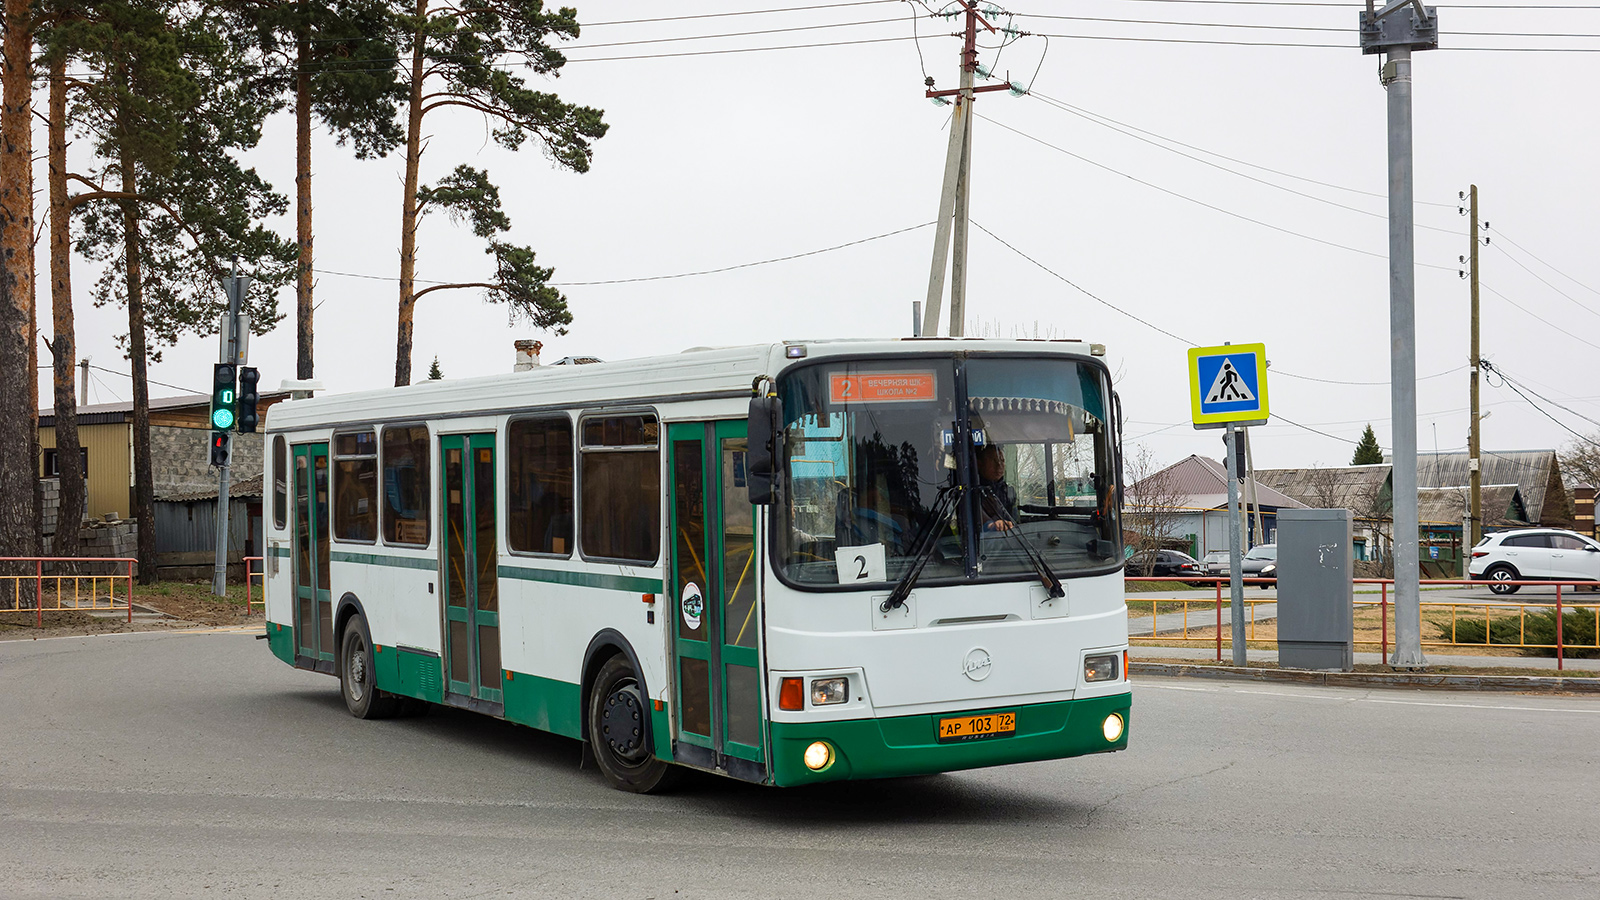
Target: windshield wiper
{"type": "Point", "coordinates": [1047, 577]}
{"type": "Point", "coordinates": [927, 540]}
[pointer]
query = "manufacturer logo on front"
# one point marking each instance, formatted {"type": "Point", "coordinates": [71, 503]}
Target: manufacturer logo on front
{"type": "Point", "coordinates": [977, 663]}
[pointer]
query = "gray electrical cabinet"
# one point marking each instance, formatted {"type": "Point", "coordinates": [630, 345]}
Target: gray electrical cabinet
{"type": "Point", "coordinates": [1316, 598]}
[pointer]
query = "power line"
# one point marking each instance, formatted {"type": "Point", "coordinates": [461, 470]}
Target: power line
{"type": "Point", "coordinates": [1542, 411]}
{"type": "Point", "coordinates": [1575, 301]}
{"type": "Point", "coordinates": [745, 265]}
{"type": "Point", "coordinates": [147, 380]}
{"type": "Point", "coordinates": [1490, 367]}
{"type": "Point", "coordinates": [1148, 324]}
{"type": "Point", "coordinates": [1101, 119]}
{"type": "Point", "coordinates": [739, 50]}
{"type": "Point", "coordinates": [1501, 235]}
{"type": "Point", "coordinates": [708, 37]}
{"type": "Point", "coordinates": [1346, 6]}
{"type": "Point", "coordinates": [1566, 331]}
{"type": "Point", "coordinates": [1247, 177]}
{"type": "Point", "coordinates": [744, 12]}
{"type": "Point", "coordinates": [1301, 45]}
{"type": "Point", "coordinates": [1209, 206]}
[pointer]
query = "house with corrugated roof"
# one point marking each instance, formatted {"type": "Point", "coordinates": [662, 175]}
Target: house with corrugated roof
{"type": "Point", "coordinates": [1536, 473]}
{"type": "Point", "coordinates": [1188, 502]}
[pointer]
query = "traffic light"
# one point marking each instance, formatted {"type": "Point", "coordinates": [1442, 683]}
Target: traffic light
{"type": "Point", "coordinates": [222, 398]}
{"type": "Point", "coordinates": [219, 448]}
{"type": "Point", "coordinates": [247, 399]}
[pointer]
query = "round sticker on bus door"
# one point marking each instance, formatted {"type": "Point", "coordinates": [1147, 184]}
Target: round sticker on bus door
{"type": "Point", "coordinates": [693, 605]}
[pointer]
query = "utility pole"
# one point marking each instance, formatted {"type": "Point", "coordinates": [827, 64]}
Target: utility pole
{"type": "Point", "coordinates": [232, 351]}
{"type": "Point", "coordinates": [1474, 467]}
{"type": "Point", "coordinates": [83, 381]}
{"type": "Point", "coordinates": [1399, 28]}
{"type": "Point", "coordinates": [1255, 499]}
{"type": "Point", "coordinates": [957, 187]}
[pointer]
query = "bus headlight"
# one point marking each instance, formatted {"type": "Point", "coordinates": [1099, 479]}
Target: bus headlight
{"type": "Point", "coordinates": [1112, 727]}
{"type": "Point", "coordinates": [818, 756]}
{"type": "Point", "coordinates": [1100, 668]}
{"type": "Point", "coordinates": [828, 691]}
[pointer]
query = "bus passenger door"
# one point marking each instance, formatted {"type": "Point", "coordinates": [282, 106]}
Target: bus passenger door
{"type": "Point", "coordinates": [717, 713]}
{"type": "Point", "coordinates": [313, 601]}
{"type": "Point", "coordinates": [470, 581]}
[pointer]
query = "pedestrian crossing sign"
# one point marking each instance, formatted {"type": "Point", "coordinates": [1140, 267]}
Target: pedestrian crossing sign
{"type": "Point", "coordinates": [1228, 384]}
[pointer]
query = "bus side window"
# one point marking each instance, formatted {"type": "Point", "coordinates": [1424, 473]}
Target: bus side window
{"type": "Point", "coordinates": [355, 505]}
{"type": "Point", "coordinates": [405, 484]}
{"type": "Point", "coordinates": [621, 485]}
{"type": "Point", "coordinates": [539, 486]}
{"type": "Point", "coordinates": [280, 483]}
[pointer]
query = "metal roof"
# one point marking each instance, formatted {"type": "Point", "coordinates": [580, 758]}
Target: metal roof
{"type": "Point", "coordinates": [1529, 470]}
{"type": "Point", "coordinates": [1356, 488]}
{"type": "Point", "coordinates": [1205, 483]}
{"type": "Point", "coordinates": [248, 488]}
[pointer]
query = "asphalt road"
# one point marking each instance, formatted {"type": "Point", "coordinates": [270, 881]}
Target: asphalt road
{"type": "Point", "coordinates": [178, 765]}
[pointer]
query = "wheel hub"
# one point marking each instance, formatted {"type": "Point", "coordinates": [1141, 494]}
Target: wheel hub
{"type": "Point", "coordinates": [622, 722]}
{"type": "Point", "coordinates": [358, 675]}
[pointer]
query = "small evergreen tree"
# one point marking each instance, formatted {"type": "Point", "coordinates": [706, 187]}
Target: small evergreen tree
{"type": "Point", "coordinates": [434, 372]}
{"type": "Point", "coordinates": [1367, 452]}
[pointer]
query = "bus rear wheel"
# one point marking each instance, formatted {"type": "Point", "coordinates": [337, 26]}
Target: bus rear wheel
{"type": "Point", "coordinates": [358, 677]}
{"type": "Point", "coordinates": [618, 732]}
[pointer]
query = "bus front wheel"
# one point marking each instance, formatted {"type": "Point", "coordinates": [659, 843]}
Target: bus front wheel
{"type": "Point", "coordinates": [358, 678]}
{"type": "Point", "coordinates": [618, 732]}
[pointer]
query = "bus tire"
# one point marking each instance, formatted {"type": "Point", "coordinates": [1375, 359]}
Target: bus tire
{"type": "Point", "coordinates": [358, 677]}
{"type": "Point", "coordinates": [618, 733]}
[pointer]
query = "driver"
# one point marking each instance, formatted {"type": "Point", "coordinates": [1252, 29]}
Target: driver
{"type": "Point", "coordinates": [997, 502]}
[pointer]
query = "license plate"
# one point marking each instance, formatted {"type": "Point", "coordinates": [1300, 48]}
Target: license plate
{"type": "Point", "coordinates": [977, 728]}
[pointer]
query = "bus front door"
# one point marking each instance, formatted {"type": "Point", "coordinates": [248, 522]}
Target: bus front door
{"type": "Point", "coordinates": [313, 601]}
{"type": "Point", "coordinates": [471, 586]}
{"type": "Point", "coordinates": [717, 716]}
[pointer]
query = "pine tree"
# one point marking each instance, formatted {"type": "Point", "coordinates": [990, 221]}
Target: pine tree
{"type": "Point", "coordinates": [456, 62]}
{"type": "Point", "coordinates": [1367, 452]}
{"type": "Point", "coordinates": [434, 372]}
{"type": "Point", "coordinates": [19, 508]}
{"type": "Point", "coordinates": [168, 203]}
{"type": "Point", "coordinates": [337, 59]}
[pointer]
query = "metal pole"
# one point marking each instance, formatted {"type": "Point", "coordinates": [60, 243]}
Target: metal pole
{"type": "Point", "coordinates": [1474, 467]}
{"type": "Point", "coordinates": [1403, 363]}
{"type": "Point", "coordinates": [916, 318]}
{"type": "Point", "coordinates": [219, 577]}
{"type": "Point", "coordinates": [1255, 499]}
{"type": "Point", "coordinates": [1235, 567]}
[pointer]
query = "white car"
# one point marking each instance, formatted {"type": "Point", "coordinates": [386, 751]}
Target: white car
{"type": "Point", "coordinates": [1534, 554]}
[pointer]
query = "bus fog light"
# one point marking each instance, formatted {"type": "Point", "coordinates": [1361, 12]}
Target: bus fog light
{"type": "Point", "coordinates": [1100, 668]}
{"type": "Point", "coordinates": [1112, 728]}
{"type": "Point", "coordinates": [818, 756]}
{"type": "Point", "coordinates": [828, 691]}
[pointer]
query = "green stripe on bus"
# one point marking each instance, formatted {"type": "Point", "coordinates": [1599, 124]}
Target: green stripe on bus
{"type": "Point", "coordinates": [374, 559]}
{"type": "Point", "coordinates": [543, 703]}
{"type": "Point", "coordinates": [281, 552]}
{"type": "Point", "coordinates": [584, 579]}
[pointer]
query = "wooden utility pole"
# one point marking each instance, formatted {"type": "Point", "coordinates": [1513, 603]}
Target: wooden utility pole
{"type": "Point", "coordinates": [1475, 468]}
{"type": "Point", "coordinates": [957, 187]}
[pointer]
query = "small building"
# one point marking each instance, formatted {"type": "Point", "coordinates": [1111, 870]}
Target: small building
{"type": "Point", "coordinates": [1187, 504]}
{"type": "Point", "coordinates": [180, 455]}
{"type": "Point", "coordinates": [1536, 473]}
{"type": "Point", "coordinates": [1366, 491]}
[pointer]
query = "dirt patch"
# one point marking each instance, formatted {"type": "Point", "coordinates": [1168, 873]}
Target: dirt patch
{"type": "Point", "coordinates": [181, 605]}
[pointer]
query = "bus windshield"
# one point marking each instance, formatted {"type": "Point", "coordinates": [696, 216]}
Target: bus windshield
{"type": "Point", "coordinates": [873, 452]}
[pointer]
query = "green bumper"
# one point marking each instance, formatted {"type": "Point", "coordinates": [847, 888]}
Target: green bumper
{"type": "Point", "coordinates": [907, 745]}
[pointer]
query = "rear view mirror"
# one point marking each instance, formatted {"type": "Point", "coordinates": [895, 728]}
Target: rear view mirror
{"type": "Point", "coordinates": [761, 465]}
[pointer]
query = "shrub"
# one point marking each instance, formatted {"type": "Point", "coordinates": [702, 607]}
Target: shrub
{"type": "Point", "coordinates": [1577, 632]}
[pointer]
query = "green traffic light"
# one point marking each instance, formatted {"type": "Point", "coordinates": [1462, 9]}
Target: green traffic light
{"type": "Point", "coordinates": [222, 418]}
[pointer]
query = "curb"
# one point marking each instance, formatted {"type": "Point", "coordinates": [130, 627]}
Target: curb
{"type": "Point", "coordinates": [1516, 683]}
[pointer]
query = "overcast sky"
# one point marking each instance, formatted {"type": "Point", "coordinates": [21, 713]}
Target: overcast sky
{"type": "Point", "coordinates": [723, 159]}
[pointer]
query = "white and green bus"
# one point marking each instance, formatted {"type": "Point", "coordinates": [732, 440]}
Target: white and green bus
{"type": "Point", "coordinates": [788, 563]}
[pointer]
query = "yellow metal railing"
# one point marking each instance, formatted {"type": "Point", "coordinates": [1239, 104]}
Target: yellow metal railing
{"type": "Point", "coordinates": [41, 591]}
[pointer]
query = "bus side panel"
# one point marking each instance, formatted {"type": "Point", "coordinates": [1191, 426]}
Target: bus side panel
{"type": "Point", "coordinates": [403, 617]}
{"type": "Point", "coordinates": [549, 615]}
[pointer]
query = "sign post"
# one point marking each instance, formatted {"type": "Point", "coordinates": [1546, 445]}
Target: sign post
{"type": "Point", "coordinates": [234, 338]}
{"type": "Point", "coordinates": [1228, 388]}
